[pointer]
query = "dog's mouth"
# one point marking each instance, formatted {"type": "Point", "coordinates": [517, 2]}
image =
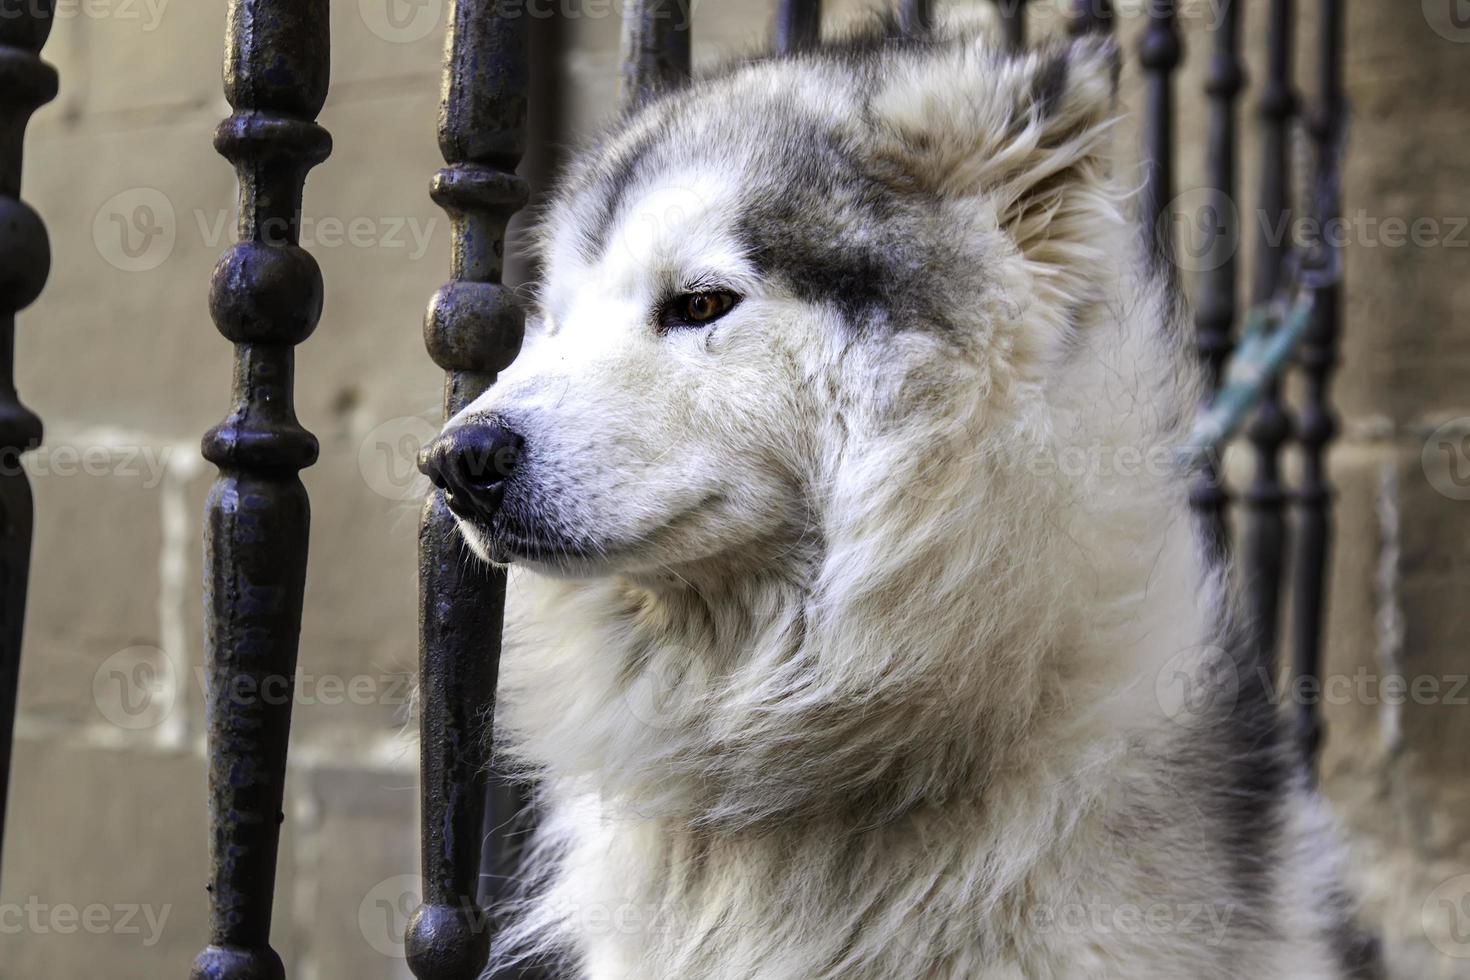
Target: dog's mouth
{"type": "Point", "coordinates": [509, 548]}
{"type": "Point", "coordinates": [508, 540]}
{"type": "Point", "coordinates": [504, 545]}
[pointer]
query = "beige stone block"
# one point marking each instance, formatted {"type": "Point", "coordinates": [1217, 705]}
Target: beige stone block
{"type": "Point", "coordinates": [360, 626]}
{"type": "Point", "coordinates": [1352, 722]}
{"type": "Point", "coordinates": [360, 871]}
{"type": "Point", "coordinates": [122, 335]}
{"type": "Point", "coordinates": [383, 247]}
{"type": "Point", "coordinates": [125, 71]}
{"type": "Point", "coordinates": [98, 841]}
{"type": "Point", "coordinates": [383, 47]}
{"type": "Point", "coordinates": [94, 592]}
{"type": "Point", "coordinates": [114, 75]}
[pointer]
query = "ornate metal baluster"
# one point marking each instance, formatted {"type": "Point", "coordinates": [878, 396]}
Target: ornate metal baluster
{"type": "Point", "coordinates": [1089, 16]}
{"type": "Point", "coordinates": [1318, 357]}
{"type": "Point", "coordinates": [1271, 427]}
{"type": "Point", "coordinates": [916, 16]}
{"type": "Point", "coordinates": [510, 819]}
{"type": "Point", "coordinates": [655, 48]}
{"type": "Point", "coordinates": [266, 297]}
{"type": "Point", "coordinates": [798, 24]}
{"type": "Point", "coordinates": [1159, 52]}
{"type": "Point", "coordinates": [26, 84]}
{"type": "Point", "coordinates": [1013, 20]}
{"type": "Point", "coordinates": [1218, 219]}
{"type": "Point", "coordinates": [473, 331]}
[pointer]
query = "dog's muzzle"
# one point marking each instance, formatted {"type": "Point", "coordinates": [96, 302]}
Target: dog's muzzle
{"type": "Point", "coordinates": [470, 463]}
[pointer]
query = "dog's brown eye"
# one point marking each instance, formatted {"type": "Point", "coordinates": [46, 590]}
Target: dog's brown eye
{"type": "Point", "coordinates": [698, 309]}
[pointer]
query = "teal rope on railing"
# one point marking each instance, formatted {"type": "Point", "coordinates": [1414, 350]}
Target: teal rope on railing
{"type": "Point", "coordinates": [1270, 341]}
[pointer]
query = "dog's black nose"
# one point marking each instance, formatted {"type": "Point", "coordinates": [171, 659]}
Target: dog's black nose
{"type": "Point", "coordinates": [470, 463]}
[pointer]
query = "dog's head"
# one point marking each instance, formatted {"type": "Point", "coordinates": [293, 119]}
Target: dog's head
{"type": "Point", "coordinates": [795, 280]}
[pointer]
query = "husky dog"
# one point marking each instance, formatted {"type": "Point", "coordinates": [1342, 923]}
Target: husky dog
{"type": "Point", "coordinates": [858, 627]}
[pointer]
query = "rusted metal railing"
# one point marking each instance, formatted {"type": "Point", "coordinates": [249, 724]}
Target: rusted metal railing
{"type": "Point", "coordinates": [798, 24]}
{"type": "Point", "coordinates": [1090, 16]}
{"type": "Point", "coordinates": [26, 84]}
{"type": "Point", "coordinates": [1271, 428]}
{"type": "Point", "coordinates": [656, 48]}
{"type": "Point", "coordinates": [1219, 221]}
{"type": "Point", "coordinates": [473, 331]}
{"type": "Point", "coordinates": [1013, 22]}
{"type": "Point", "coordinates": [1317, 425]}
{"type": "Point", "coordinates": [265, 297]}
{"type": "Point", "coordinates": [1159, 52]}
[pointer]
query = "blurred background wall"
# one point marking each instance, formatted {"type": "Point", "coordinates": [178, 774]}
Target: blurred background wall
{"type": "Point", "coordinates": [105, 860]}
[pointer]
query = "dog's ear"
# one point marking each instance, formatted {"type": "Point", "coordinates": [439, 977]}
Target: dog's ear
{"type": "Point", "coordinates": [1026, 130]}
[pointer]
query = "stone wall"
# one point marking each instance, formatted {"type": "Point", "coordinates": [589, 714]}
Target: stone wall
{"type": "Point", "coordinates": [105, 859]}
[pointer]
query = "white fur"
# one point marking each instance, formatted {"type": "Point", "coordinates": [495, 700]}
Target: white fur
{"type": "Point", "coordinates": [862, 677]}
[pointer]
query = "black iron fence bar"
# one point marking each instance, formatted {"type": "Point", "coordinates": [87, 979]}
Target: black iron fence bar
{"type": "Point", "coordinates": [26, 84]}
{"type": "Point", "coordinates": [1013, 22]}
{"type": "Point", "coordinates": [1159, 51]}
{"type": "Point", "coordinates": [656, 45]}
{"type": "Point", "coordinates": [656, 52]}
{"type": "Point", "coordinates": [916, 16]}
{"type": "Point", "coordinates": [1217, 221]}
{"type": "Point", "coordinates": [473, 330]}
{"type": "Point", "coordinates": [1318, 357]}
{"type": "Point", "coordinates": [1089, 16]}
{"type": "Point", "coordinates": [1271, 427]}
{"type": "Point", "coordinates": [266, 297]}
{"type": "Point", "coordinates": [798, 24]}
